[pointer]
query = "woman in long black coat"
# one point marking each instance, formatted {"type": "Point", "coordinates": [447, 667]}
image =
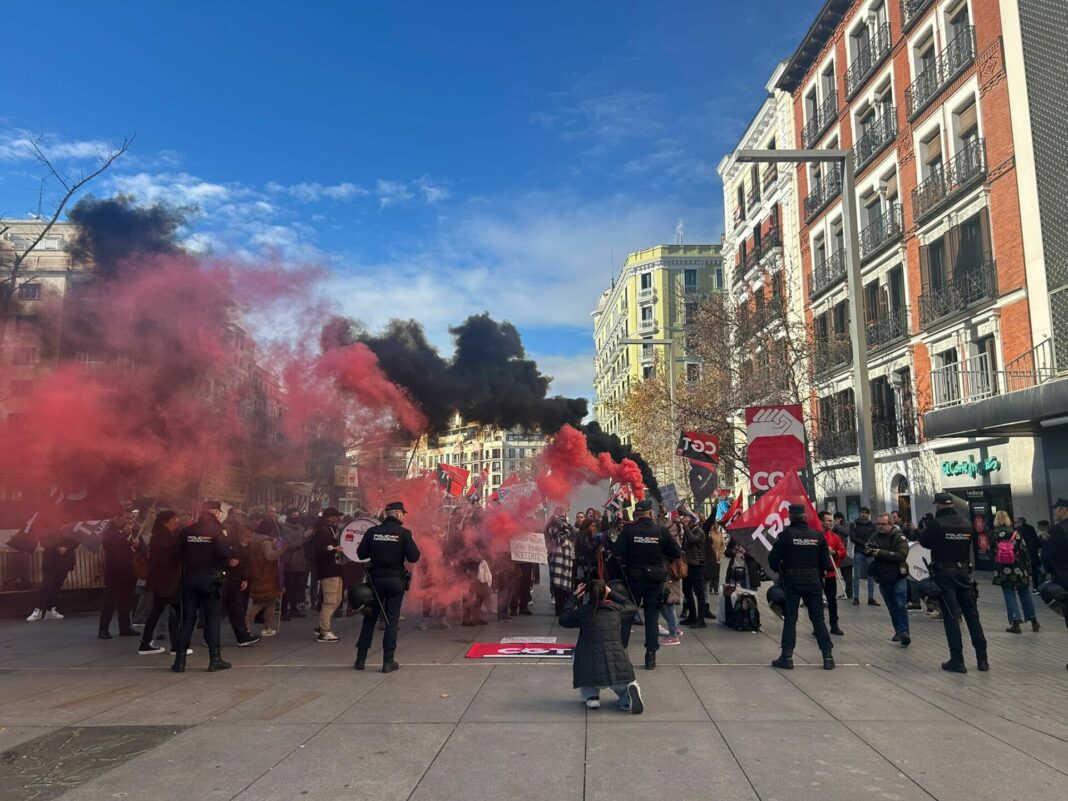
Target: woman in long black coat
{"type": "Point", "coordinates": [600, 658]}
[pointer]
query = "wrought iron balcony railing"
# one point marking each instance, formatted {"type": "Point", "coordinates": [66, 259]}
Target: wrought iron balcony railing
{"type": "Point", "coordinates": [821, 120]}
{"type": "Point", "coordinates": [894, 433]}
{"type": "Point", "coordinates": [947, 180]}
{"type": "Point", "coordinates": [884, 230]}
{"type": "Point", "coordinates": [823, 192]}
{"type": "Point", "coordinates": [828, 273]}
{"type": "Point", "coordinates": [891, 327]}
{"type": "Point", "coordinates": [867, 59]}
{"type": "Point", "coordinates": [911, 10]}
{"type": "Point", "coordinates": [876, 138]}
{"type": "Point", "coordinates": [835, 444]}
{"type": "Point", "coordinates": [947, 65]}
{"type": "Point", "coordinates": [769, 176]}
{"type": "Point", "coordinates": [832, 353]}
{"type": "Point", "coordinates": [967, 287]}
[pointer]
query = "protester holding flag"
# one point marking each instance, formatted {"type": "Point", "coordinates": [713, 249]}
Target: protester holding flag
{"type": "Point", "coordinates": [800, 556]}
{"type": "Point", "coordinates": [830, 578]}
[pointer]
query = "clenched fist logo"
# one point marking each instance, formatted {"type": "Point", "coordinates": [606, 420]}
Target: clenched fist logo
{"type": "Point", "coordinates": [774, 423]}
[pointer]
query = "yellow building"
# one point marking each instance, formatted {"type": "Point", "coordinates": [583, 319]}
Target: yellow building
{"type": "Point", "coordinates": [653, 298]}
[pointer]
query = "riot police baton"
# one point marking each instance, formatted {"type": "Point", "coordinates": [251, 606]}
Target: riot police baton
{"type": "Point", "coordinates": [378, 600]}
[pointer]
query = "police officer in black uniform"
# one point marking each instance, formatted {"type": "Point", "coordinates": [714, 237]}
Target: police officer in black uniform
{"type": "Point", "coordinates": [644, 548]}
{"type": "Point", "coordinates": [949, 536]}
{"type": "Point", "coordinates": [204, 553]}
{"type": "Point", "coordinates": [801, 558]}
{"type": "Point", "coordinates": [388, 545]}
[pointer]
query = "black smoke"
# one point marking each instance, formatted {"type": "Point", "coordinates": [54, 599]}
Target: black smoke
{"type": "Point", "coordinates": [488, 379]}
{"type": "Point", "coordinates": [601, 442]}
{"type": "Point", "coordinates": [111, 230]}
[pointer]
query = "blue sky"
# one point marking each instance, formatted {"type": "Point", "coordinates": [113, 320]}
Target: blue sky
{"type": "Point", "coordinates": [440, 158]}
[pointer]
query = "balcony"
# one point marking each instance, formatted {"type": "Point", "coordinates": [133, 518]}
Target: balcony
{"type": "Point", "coordinates": [828, 273]}
{"type": "Point", "coordinates": [947, 181]}
{"type": "Point", "coordinates": [880, 233]}
{"type": "Point", "coordinates": [947, 65]}
{"type": "Point", "coordinates": [896, 433]}
{"type": "Point", "coordinates": [752, 198]}
{"type": "Point", "coordinates": [769, 176]}
{"type": "Point", "coordinates": [967, 287]}
{"type": "Point", "coordinates": [912, 10]}
{"type": "Point", "coordinates": [647, 326]}
{"type": "Point", "coordinates": [823, 192]}
{"type": "Point", "coordinates": [881, 331]}
{"type": "Point", "coordinates": [820, 120]}
{"type": "Point", "coordinates": [769, 243]}
{"type": "Point", "coordinates": [867, 60]}
{"type": "Point", "coordinates": [646, 295]}
{"type": "Point", "coordinates": [739, 215]}
{"type": "Point", "coordinates": [832, 353]}
{"type": "Point", "coordinates": [873, 141]}
{"type": "Point", "coordinates": [835, 444]}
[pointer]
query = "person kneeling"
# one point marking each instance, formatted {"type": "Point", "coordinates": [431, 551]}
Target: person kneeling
{"type": "Point", "coordinates": [600, 658]}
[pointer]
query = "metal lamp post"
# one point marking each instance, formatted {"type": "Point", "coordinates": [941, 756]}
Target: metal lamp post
{"type": "Point", "coordinates": [669, 342]}
{"type": "Point", "coordinates": [861, 388]}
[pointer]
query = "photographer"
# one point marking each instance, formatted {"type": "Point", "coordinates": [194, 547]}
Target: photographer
{"type": "Point", "coordinates": [560, 544]}
{"type": "Point", "coordinates": [600, 659]}
{"type": "Point", "coordinates": [887, 549]}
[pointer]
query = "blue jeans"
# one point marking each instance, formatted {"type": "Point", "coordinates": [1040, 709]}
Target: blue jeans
{"type": "Point", "coordinates": [862, 564]}
{"type": "Point", "coordinates": [667, 611]}
{"type": "Point", "coordinates": [1025, 599]}
{"type": "Point", "coordinates": [619, 689]}
{"type": "Point", "coordinates": [895, 596]}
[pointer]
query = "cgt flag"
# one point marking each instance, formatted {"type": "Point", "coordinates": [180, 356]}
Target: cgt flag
{"type": "Point", "coordinates": [775, 444]}
{"type": "Point", "coordinates": [474, 492]}
{"type": "Point", "coordinates": [698, 447]}
{"type": "Point", "coordinates": [703, 480]}
{"type": "Point", "coordinates": [757, 529]}
{"type": "Point", "coordinates": [452, 479]}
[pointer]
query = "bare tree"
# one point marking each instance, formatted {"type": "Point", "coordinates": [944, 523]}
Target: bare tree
{"type": "Point", "coordinates": [13, 260]}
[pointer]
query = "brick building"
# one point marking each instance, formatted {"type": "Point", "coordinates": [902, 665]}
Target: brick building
{"type": "Point", "coordinates": [936, 99]}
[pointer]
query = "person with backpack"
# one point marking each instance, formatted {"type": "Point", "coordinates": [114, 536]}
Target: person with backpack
{"type": "Point", "coordinates": [800, 556]}
{"type": "Point", "coordinates": [887, 551]}
{"type": "Point", "coordinates": [1012, 572]}
{"type": "Point", "coordinates": [600, 660]}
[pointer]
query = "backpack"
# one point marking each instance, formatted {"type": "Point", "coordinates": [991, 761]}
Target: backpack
{"type": "Point", "coordinates": [746, 616]}
{"type": "Point", "coordinates": [1005, 553]}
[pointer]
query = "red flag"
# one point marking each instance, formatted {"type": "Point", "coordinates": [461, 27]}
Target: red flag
{"type": "Point", "coordinates": [732, 511]}
{"type": "Point", "coordinates": [474, 492]}
{"type": "Point", "coordinates": [452, 479]}
{"type": "Point", "coordinates": [511, 481]}
{"type": "Point", "coordinates": [762, 523]}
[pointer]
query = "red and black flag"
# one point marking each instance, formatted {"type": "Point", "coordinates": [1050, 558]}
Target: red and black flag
{"type": "Point", "coordinates": [452, 479]}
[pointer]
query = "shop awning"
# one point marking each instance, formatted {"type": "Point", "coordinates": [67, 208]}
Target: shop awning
{"type": "Point", "coordinates": [1022, 413]}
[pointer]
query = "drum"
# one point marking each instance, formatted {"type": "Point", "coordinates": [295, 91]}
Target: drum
{"type": "Point", "coordinates": [352, 536]}
{"type": "Point", "coordinates": [918, 560]}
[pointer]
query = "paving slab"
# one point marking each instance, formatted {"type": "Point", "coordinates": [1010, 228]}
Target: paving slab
{"type": "Point", "coordinates": [526, 693]}
{"type": "Point", "coordinates": [311, 695]}
{"type": "Point", "coordinates": [816, 761]}
{"type": "Point", "coordinates": [691, 761]}
{"type": "Point", "coordinates": [420, 694]}
{"type": "Point", "coordinates": [666, 692]}
{"type": "Point", "coordinates": [354, 761]}
{"type": "Point", "coordinates": [860, 694]}
{"type": "Point", "coordinates": [753, 694]}
{"type": "Point", "coordinates": [514, 761]}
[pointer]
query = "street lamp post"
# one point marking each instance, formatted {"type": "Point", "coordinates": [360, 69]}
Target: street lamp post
{"type": "Point", "coordinates": [861, 388]}
{"type": "Point", "coordinates": [668, 342]}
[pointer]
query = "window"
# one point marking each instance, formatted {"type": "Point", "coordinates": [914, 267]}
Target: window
{"type": "Point", "coordinates": [646, 280]}
{"type": "Point", "coordinates": [812, 104]}
{"type": "Point", "coordinates": [24, 356]}
{"type": "Point", "coordinates": [931, 149]}
{"type": "Point", "coordinates": [25, 322]}
{"type": "Point", "coordinates": [29, 292]}
{"type": "Point", "coordinates": [511, 453]}
{"type": "Point", "coordinates": [648, 372]}
{"type": "Point", "coordinates": [895, 285]}
{"type": "Point", "coordinates": [647, 314]}
{"type": "Point", "coordinates": [693, 372]}
{"type": "Point", "coordinates": [819, 252]}
{"type": "Point", "coordinates": [958, 20]}
{"type": "Point", "coordinates": [689, 280]}
{"type": "Point", "coordinates": [966, 124]}
{"type": "Point", "coordinates": [691, 311]}
{"type": "Point", "coordinates": [718, 278]}
{"type": "Point", "coordinates": [497, 454]}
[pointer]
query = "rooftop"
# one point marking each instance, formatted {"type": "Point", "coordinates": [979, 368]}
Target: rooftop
{"type": "Point", "coordinates": [813, 43]}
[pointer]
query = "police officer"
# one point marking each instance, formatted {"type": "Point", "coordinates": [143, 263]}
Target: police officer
{"type": "Point", "coordinates": [643, 547]}
{"type": "Point", "coordinates": [388, 546]}
{"type": "Point", "coordinates": [204, 553]}
{"type": "Point", "coordinates": [801, 558]}
{"type": "Point", "coordinates": [949, 536]}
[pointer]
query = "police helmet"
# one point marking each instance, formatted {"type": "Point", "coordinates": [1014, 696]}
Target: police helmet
{"type": "Point", "coordinates": [1055, 596]}
{"type": "Point", "coordinates": [361, 597]}
{"type": "Point", "coordinates": [929, 589]}
{"type": "Point", "coordinates": [776, 597]}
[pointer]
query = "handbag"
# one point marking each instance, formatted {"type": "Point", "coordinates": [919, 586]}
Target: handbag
{"type": "Point", "coordinates": [678, 568]}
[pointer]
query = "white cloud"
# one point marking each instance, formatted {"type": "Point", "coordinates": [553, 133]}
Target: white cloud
{"type": "Point", "coordinates": [572, 375]}
{"type": "Point", "coordinates": [18, 146]}
{"type": "Point", "coordinates": [179, 189]}
{"type": "Point", "coordinates": [313, 191]}
{"type": "Point", "coordinates": [432, 193]}
{"type": "Point", "coordinates": [391, 193]}
{"type": "Point", "coordinates": [609, 118]}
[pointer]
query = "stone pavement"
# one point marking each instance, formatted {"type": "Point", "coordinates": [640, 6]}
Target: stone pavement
{"type": "Point", "coordinates": [88, 719]}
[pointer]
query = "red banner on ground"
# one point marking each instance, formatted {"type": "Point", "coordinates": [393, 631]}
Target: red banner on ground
{"type": "Point", "coordinates": [492, 650]}
{"type": "Point", "coordinates": [775, 437]}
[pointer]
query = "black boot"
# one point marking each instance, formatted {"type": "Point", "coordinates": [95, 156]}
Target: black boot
{"type": "Point", "coordinates": [389, 664]}
{"type": "Point", "coordinates": [650, 660]}
{"type": "Point", "coordinates": [361, 659]}
{"type": "Point", "coordinates": [784, 662]}
{"type": "Point", "coordinates": [954, 666]}
{"type": "Point", "coordinates": [215, 660]}
{"type": "Point", "coordinates": [698, 623]}
{"type": "Point", "coordinates": [828, 662]}
{"type": "Point", "coordinates": [982, 662]}
{"type": "Point", "coordinates": [179, 661]}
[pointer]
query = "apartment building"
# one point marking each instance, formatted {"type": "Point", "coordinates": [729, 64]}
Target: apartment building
{"type": "Point", "coordinates": [932, 97]}
{"type": "Point", "coordinates": [655, 295]}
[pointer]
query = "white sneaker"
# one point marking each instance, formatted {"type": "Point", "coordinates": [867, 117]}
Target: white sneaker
{"type": "Point", "coordinates": [445, 624]}
{"type": "Point", "coordinates": [52, 614]}
{"type": "Point", "coordinates": [593, 703]}
{"type": "Point", "coordinates": [327, 636]}
{"type": "Point", "coordinates": [268, 632]}
{"type": "Point", "coordinates": [663, 631]}
{"type": "Point", "coordinates": [188, 651]}
{"type": "Point", "coordinates": [35, 615]}
{"type": "Point", "coordinates": [423, 626]}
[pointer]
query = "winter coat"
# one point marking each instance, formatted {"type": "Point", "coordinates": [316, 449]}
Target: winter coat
{"type": "Point", "coordinates": [327, 544]}
{"type": "Point", "coordinates": [860, 532]}
{"type": "Point", "coordinates": [1055, 552]}
{"type": "Point", "coordinates": [296, 560]}
{"type": "Point", "coordinates": [694, 544]}
{"type": "Point", "coordinates": [264, 584]}
{"type": "Point", "coordinates": [560, 544]}
{"type": "Point", "coordinates": [119, 549]}
{"type": "Point", "coordinates": [163, 572]}
{"type": "Point", "coordinates": [55, 562]}
{"type": "Point", "coordinates": [600, 658]}
{"type": "Point", "coordinates": [889, 564]}
{"type": "Point", "coordinates": [1018, 574]}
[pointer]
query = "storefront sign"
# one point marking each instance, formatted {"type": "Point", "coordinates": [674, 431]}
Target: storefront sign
{"type": "Point", "coordinates": [972, 468]}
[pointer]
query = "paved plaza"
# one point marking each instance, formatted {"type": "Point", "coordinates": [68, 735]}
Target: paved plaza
{"type": "Point", "coordinates": [88, 719]}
